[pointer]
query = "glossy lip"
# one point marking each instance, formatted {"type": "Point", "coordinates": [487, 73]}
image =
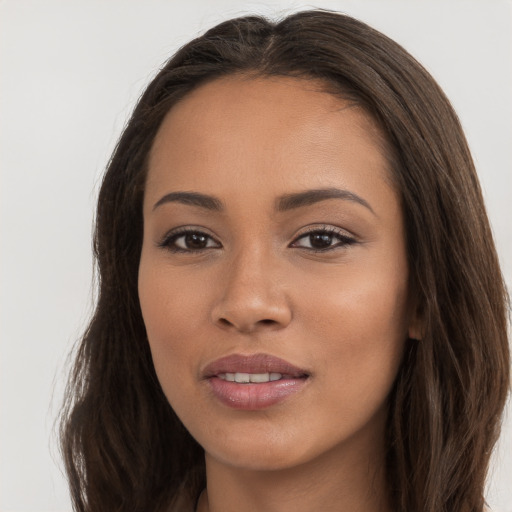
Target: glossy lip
{"type": "Point", "coordinates": [252, 396]}
{"type": "Point", "coordinates": [256, 363]}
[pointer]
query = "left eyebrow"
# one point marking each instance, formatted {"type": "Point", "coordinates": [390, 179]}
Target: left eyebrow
{"type": "Point", "coordinates": [309, 197]}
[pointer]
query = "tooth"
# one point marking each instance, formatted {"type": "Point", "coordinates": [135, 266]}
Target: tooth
{"type": "Point", "coordinates": [229, 377]}
{"type": "Point", "coordinates": [259, 377]}
{"type": "Point", "coordinates": [275, 376]}
{"type": "Point", "coordinates": [242, 377]}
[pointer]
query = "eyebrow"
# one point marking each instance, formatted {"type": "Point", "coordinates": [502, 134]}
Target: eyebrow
{"type": "Point", "coordinates": [193, 199]}
{"type": "Point", "coordinates": [308, 197]}
{"type": "Point", "coordinates": [284, 203]}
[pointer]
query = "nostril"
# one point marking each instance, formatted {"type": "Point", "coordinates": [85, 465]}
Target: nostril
{"type": "Point", "coordinates": [225, 322]}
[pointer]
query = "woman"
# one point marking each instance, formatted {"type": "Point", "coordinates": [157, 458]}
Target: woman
{"type": "Point", "coordinates": [300, 303]}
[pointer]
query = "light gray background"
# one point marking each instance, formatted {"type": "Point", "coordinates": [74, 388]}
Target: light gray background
{"type": "Point", "coordinates": [70, 72]}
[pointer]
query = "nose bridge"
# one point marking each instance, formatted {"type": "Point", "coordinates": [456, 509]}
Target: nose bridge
{"type": "Point", "coordinates": [252, 295]}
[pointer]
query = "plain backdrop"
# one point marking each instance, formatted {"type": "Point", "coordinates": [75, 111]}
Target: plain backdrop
{"type": "Point", "coordinates": [70, 73]}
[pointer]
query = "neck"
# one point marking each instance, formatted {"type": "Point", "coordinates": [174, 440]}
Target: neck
{"type": "Point", "coordinates": [350, 478]}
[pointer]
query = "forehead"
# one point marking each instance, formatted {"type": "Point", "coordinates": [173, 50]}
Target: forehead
{"type": "Point", "coordinates": [274, 131]}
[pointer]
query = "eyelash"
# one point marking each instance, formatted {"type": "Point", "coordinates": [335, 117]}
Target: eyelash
{"type": "Point", "coordinates": [344, 240]}
{"type": "Point", "coordinates": [171, 238]}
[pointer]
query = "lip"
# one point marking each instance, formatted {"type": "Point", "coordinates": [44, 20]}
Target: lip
{"type": "Point", "coordinates": [252, 396]}
{"type": "Point", "coordinates": [254, 363]}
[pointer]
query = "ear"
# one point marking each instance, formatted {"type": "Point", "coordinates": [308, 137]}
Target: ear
{"type": "Point", "coordinates": [416, 310]}
{"type": "Point", "coordinates": [416, 330]}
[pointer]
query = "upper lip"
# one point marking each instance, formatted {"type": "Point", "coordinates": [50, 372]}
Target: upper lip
{"type": "Point", "coordinates": [256, 363]}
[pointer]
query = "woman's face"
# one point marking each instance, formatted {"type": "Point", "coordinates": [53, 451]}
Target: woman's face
{"type": "Point", "coordinates": [273, 279]}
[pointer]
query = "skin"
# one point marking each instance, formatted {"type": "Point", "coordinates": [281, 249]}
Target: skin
{"type": "Point", "coordinates": [343, 313]}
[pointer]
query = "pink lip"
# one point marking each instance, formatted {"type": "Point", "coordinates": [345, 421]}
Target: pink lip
{"type": "Point", "coordinates": [252, 396]}
{"type": "Point", "coordinates": [256, 363]}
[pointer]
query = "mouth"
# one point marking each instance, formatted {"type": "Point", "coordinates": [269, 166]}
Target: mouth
{"type": "Point", "coordinates": [239, 368]}
{"type": "Point", "coordinates": [253, 382]}
{"type": "Point", "coordinates": [253, 378]}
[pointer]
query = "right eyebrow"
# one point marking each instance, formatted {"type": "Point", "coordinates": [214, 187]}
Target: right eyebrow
{"type": "Point", "coordinates": [191, 198]}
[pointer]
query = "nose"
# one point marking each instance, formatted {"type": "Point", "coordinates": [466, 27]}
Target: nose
{"type": "Point", "coordinates": [252, 297]}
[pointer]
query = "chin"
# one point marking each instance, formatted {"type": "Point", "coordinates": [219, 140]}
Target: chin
{"type": "Point", "coordinates": [265, 451]}
{"type": "Point", "coordinates": [262, 459]}
{"type": "Point", "coordinates": [274, 447]}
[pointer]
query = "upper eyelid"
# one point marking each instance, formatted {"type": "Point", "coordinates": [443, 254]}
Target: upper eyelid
{"type": "Point", "coordinates": [344, 237]}
{"type": "Point", "coordinates": [327, 228]}
{"type": "Point", "coordinates": [309, 229]}
{"type": "Point", "coordinates": [184, 230]}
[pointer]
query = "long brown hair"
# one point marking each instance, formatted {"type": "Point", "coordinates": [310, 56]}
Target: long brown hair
{"type": "Point", "coordinates": [123, 446]}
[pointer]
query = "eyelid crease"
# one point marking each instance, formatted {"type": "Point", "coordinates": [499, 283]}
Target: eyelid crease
{"type": "Point", "coordinates": [329, 228]}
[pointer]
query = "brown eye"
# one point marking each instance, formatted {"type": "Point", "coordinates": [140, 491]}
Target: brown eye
{"type": "Point", "coordinates": [323, 240]}
{"type": "Point", "coordinates": [189, 241]}
{"type": "Point", "coordinates": [320, 240]}
{"type": "Point", "coordinates": [195, 241]}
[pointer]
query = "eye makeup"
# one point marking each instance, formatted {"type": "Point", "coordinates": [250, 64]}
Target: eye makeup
{"type": "Point", "coordinates": [316, 239]}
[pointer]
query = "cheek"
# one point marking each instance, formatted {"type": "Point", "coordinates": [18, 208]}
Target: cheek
{"type": "Point", "coordinates": [358, 321]}
{"type": "Point", "coordinates": [168, 317]}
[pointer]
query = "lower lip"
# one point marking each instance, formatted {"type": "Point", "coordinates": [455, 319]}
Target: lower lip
{"type": "Point", "coordinates": [253, 397]}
